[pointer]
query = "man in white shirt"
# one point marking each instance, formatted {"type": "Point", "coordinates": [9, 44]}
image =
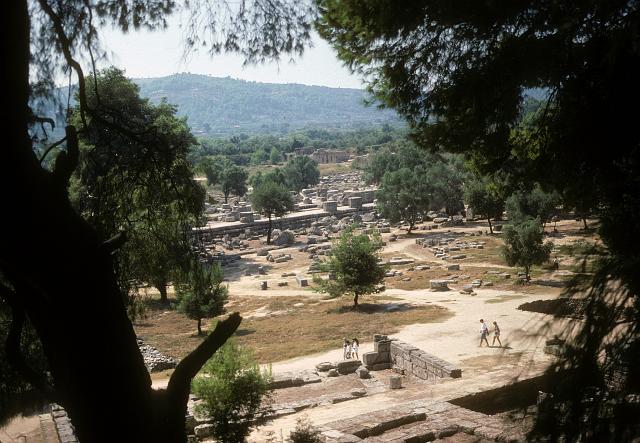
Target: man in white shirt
{"type": "Point", "coordinates": [484, 331]}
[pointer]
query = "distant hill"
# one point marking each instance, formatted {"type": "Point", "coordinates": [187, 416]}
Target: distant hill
{"type": "Point", "coordinates": [221, 106]}
{"type": "Point", "coordinates": [216, 105]}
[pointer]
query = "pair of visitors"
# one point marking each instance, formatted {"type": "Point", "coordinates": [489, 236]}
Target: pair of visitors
{"type": "Point", "coordinates": [484, 332]}
{"type": "Point", "coordinates": [350, 348]}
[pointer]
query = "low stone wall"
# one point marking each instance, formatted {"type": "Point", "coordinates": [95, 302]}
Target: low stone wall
{"type": "Point", "coordinates": [261, 226]}
{"type": "Point", "coordinates": [407, 359]}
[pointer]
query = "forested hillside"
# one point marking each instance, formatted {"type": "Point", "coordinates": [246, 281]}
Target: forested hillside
{"type": "Point", "coordinates": [225, 105]}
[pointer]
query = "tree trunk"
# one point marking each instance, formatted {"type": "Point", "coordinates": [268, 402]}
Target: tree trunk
{"type": "Point", "coordinates": [355, 301]}
{"type": "Point", "coordinates": [269, 227]}
{"type": "Point", "coordinates": [584, 222]}
{"type": "Point", "coordinates": [122, 406]}
{"type": "Point", "coordinates": [163, 292]}
{"type": "Point", "coordinates": [226, 197]}
{"type": "Point", "coordinates": [490, 227]}
{"type": "Point", "coordinates": [199, 326]}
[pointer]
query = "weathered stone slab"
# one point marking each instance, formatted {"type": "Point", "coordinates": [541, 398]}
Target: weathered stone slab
{"type": "Point", "coordinates": [395, 382]}
{"type": "Point", "coordinates": [439, 285]}
{"type": "Point", "coordinates": [348, 366]}
{"type": "Point", "coordinates": [382, 346]}
{"type": "Point", "coordinates": [203, 431]}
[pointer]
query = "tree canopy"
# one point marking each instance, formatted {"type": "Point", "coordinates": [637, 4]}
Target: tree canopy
{"type": "Point", "coordinates": [354, 266]}
{"type": "Point", "coordinates": [484, 198]}
{"type": "Point", "coordinates": [201, 293]}
{"type": "Point", "coordinates": [144, 187]}
{"type": "Point", "coordinates": [233, 179]}
{"type": "Point", "coordinates": [271, 198]}
{"type": "Point", "coordinates": [404, 195]}
{"type": "Point", "coordinates": [524, 244]}
{"type": "Point", "coordinates": [301, 172]}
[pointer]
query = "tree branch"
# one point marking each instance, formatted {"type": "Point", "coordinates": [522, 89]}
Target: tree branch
{"type": "Point", "coordinates": [66, 45]}
{"type": "Point", "coordinates": [114, 243]}
{"type": "Point", "coordinates": [180, 381]}
{"type": "Point", "coordinates": [15, 357]}
{"type": "Point", "coordinates": [58, 143]}
{"type": "Point", "coordinates": [67, 161]}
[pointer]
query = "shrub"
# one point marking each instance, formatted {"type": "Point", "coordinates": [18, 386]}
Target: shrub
{"type": "Point", "coordinates": [233, 387]}
{"type": "Point", "coordinates": [304, 432]}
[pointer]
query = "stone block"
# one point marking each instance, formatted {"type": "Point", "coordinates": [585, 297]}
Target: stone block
{"type": "Point", "coordinates": [325, 366]}
{"type": "Point", "coordinates": [379, 337]}
{"type": "Point", "coordinates": [455, 267]}
{"type": "Point", "coordinates": [370, 358]}
{"type": "Point", "coordinates": [203, 431]}
{"type": "Point", "coordinates": [395, 382]}
{"type": "Point", "coordinates": [439, 285]}
{"type": "Point", "coordinates": [382, 346]}
{"type": "Point", "coordinates": [348, 366]}
{"type": "Point", "coordinates": [263, 285]}
{"type": "Point", "coordinates": [363, 373]}
{"type": "Point", "coordinates": [381, 366]}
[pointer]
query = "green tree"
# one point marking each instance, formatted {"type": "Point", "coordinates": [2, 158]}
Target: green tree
{"type": "Point", "coordinates": [143, 188]}
{"type": "Point", "coordinates": [233, 179]}
{"type": "Point", "coordinates": [535, 203]}
{"type": "Point", "coordinates": [302, 172]}
{"type": "Point", "coordinates": [381, 162]}
{"type": "Point", "coordinates": [259, 156]}
{"type": "Point", "coordinates": [523, 244]}
{"type": "Point", "coordinates": [354, 266]}
{"type": "Point", "coordinates": [233, 388]}
{"type": "Point", "coordinates": [213, 166]}
{"type": "Point", "coordinates": [201, 293]}
{"type": "Point", "coordinates": [271, 199]}
{"type": "Point", "coordinates": [275, 156]}
{"type": "Point", "coordinates": [275, 175]}
{"type": "Point", "coordinates": [404, 195]}
{"type": "Point", "coordinates": [484, 198]}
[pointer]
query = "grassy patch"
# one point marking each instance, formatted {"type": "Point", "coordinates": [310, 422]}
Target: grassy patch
{"type": "Point", "coordinates": [334, 168]}
{"type": "Point", "coordinates": [319, 327]}
{"type": "Point", "coordinates": [578, 248]}
{"type": "Point", "coordinates": [276, 329]}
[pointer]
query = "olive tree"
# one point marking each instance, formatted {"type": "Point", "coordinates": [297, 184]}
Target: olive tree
{"type": "Point", "coordinates": [354, 266]}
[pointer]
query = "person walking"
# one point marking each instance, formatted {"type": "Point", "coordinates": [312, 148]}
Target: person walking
{"type": "Point", "coordinates": [484, 331]}
{"type": "Point", "coordinates": [496, 334]}
{"type": "Point", "coordinates": [355, 345]}
{"type": "Point", "coordinates": [346, 349]}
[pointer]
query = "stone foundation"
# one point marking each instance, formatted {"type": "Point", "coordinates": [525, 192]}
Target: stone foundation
{"type": "Point", "coordinates": [407, 359]}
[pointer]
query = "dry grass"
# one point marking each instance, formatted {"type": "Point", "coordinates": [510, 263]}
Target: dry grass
{"type": "Point", "coordinates": [334, 168]}
{"type": "Point", "coordinates": [320, 326]}
{"type": "Point", "coordinates": [287, 330]}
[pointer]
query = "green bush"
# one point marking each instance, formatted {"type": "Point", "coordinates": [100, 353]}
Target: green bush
{"type": "Point", "coordinates": [233, 387]}
{"type": "Point", "coordinates": [524, 246]}
{"type": "Point", "coordinates": [304, 432]}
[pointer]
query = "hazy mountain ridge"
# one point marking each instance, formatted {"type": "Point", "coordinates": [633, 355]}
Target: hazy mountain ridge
{"type": "Point", "coordinates": [223, 105]}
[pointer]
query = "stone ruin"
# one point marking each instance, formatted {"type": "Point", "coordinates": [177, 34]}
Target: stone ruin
{"type": "Point", "coordinates": [407, 360]}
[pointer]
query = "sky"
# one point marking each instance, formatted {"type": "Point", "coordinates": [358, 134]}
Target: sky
{"type": "Point", "coordinates": [159, 53]}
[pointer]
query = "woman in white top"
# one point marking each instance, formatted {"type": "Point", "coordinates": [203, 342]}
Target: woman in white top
{"type": "Point", "coordinates": [354, 348]}
{"type": "Point", "coordinates": [346, 349]}
{"type": "Point", "coordinates": [496, 334]}
{"type": "Point", "coordinates": [484, 331]}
